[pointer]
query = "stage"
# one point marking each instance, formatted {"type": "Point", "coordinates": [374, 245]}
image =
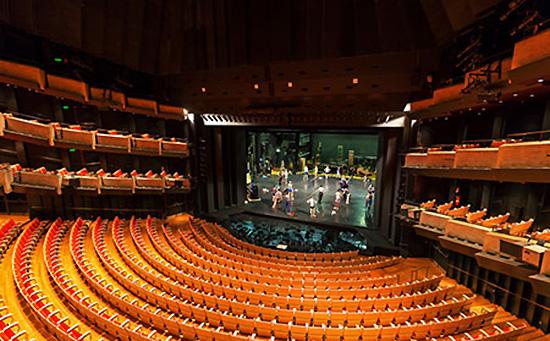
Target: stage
{"type": "Point", "coordinates": [354, 214]}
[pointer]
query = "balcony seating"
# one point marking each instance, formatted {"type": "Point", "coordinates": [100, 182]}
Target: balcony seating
{"type": "Point", "coordinates": [146, 143]}
{"type": "Point", "coordinates": [495, 222]}
{"type": "Point", "coordinates": [34, 78]}
{"type": "Point", "coordinates": [428, 204]}
{"type": "Point", "coordinates": [24, 75]}
{"type": "Point", "coordinates": [117, 180]}
{"type": "Point", "coordinates": [506, 154]}
{"type": "Point", "coordinates": [413, 160]}
{"type": "Point", "coordinates": [67, 88]}
{"type": "Point", "coordinates": [459, 212]}
{"type": "Point", "coordinates": [520, 229]}
{"type": "Point", "coordinates": [43, 179]}
{"type": "Point", "coordinates": [483, 158]}
{"type": "Point", "coordinates": [39, 178]}
{"type": "Point", "coordinates": [440, 158]}
{"type": "Point", "coordinates": [174, 146]}
{"type": "Point", "coordinates": [113, 139]}
{"type": "Point", "coordinates": [74, 134]}
{"type": "Point", "coordinates": [64, 135]}
{"type": "Point", "coordinates": [524, 155]}
{"type": "Point", "coordinates": [474, 217]}
{"type": "Point", "coordinates": [25, 127]}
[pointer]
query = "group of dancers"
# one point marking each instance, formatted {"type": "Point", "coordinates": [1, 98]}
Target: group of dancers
{"type": "Point", "coordinates": [283, 194]}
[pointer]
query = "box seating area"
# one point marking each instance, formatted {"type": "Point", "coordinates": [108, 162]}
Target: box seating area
{"type": "Point", "coordinates": [459, 222]}
{"type": "Point", "coordinates": [142, 279]}
{"type": "Point", "coordinates": [64, 135]}
{"type": "Point", "coordinates": [41, 178]}
{"type": "Point", "coordinates": [507, 154]}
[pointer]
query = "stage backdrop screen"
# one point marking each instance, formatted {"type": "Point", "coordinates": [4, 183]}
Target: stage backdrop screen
{"type": "Point", "coordinates": [317, 176]}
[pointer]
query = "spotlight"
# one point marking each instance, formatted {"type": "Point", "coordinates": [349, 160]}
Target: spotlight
{"type": "Point", "coordinates": [256, 86]}
{"type": "Point", "coordinates": [355, 81]}
{"type": "Point", "coordinates": [203, 89]}
{"type": "Point", "coordinates": [515, 95]}
{"type": "Point", "coordinates": [289, 84]}
{"type": "Point", "coordinates": [532, 95]}
{"type": "Point", "coordinates": [540, 80]}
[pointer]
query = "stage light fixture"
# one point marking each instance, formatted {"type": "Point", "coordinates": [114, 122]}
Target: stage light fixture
{"type": "Point", "coordinates": [540, 80]}
{"type": "Point", "coordinates": [355, 80]}
{"type": "Point", "coordinates": [289, 84]}
{"type": "Point", "coordinates": [532, 95]}
{"type": "Point", "coordinates": [58, 60]}
{"type": "Point", "coordinates": [203, 89]}
{"type": "Point", "coordinates": [65, 107]}
{"type": "Point", "coordinates": [515, 95]}
{"type": "Point", "coordinates": [256, 86]}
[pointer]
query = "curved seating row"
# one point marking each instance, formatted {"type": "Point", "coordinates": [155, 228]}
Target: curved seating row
{"type": "Point", "coordinates": [324, 317]}
{"type": "Point", "coordinates": [217, 263]}
{"type": "Point", "coordinates": [9, 230]}
{"type": "Point", "coordinates": [267, 295]}
{"type": "Point", "coordinates": [29, 289]}
{"type": "Point", "coordinates": [62, 135]}
{"type": "Point", "coordinates": [251, 326]}
{"type": "Point", "coordinates": [138, 281]}
{"type": "Point", "coordinates": [216, 244]}
{"type": "Point", "coordinates": [313, 258]}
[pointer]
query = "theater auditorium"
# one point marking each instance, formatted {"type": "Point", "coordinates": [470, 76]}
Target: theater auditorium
{"type": "Point", "coordinates": [300, 170]}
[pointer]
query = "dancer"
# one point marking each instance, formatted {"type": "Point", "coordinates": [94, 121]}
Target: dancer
{"type": "Point", "coordinates": [312, 204]}
{"type": "Point", "coordinates": [320, 194]}
{"type": "Point", "coordinates": [306, 173]}
{"type": "Point", "coordinates": [277, 197]}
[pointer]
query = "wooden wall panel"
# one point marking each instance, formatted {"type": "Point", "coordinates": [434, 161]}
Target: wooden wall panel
{"type": "Point", "coordinates": [133, 38]}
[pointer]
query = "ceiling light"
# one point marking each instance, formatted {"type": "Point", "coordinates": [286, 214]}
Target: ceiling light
{"type": "Point", "coordinates": [256, 86]}
{"type": "Point", "coordinates": [540, 80]}
{"type": "Point", "coordinates": [355, 81]}
{"type": "Point", "coordinates": [501, 101]}
{"type": "Point", "coordinates": [203, 89]}
{"type": "Point", "coordinates": [289, 84]}
{"type": "Point", "coordinates": [532, 95]}
{"type": "Point", "coordinates": [515, 95]}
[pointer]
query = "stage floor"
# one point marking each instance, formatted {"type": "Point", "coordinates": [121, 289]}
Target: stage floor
{"type": "Point", "coordinates": [353, 214]}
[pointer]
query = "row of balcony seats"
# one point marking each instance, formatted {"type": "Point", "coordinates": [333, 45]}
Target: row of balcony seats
{"type": "Point", "coordinates": [462, 223]}
{"type": "Point", "coordinates": [148, 281]}
{"type": "Point", "coordinates": [492, 235]}
{"type": "Point", "coordinates": [58, 134]}
{"type": "Point", "coordinates": [36, 79]}
{"type": "Point", "coordinates": [11, 175]}
{"type": "Point", "coordinates": [501, 154]}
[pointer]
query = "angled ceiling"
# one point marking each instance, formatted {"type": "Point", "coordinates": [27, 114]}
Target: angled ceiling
{"type": "Point", "coordinates": [183, 39]}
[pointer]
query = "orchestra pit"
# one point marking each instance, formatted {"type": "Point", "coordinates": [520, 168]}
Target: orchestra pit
{"type": "Point", "coordinates": [300, 170]}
